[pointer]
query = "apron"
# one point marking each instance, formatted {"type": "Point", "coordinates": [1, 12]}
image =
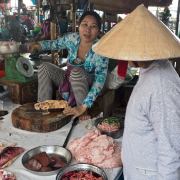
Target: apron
{"type": "Point", "coordinates": [65, 88]}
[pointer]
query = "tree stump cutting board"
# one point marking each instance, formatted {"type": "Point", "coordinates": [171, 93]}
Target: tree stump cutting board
{"type": "Point", "coordinates": [38, 122]}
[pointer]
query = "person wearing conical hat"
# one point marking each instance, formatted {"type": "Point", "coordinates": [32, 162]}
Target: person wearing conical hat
{"type": "Point", "coordinates": [151, 139]}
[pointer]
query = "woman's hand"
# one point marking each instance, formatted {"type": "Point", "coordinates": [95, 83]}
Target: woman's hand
{"type": "Point", "coordinates": [31, 47]}
{"type": "Point", "coordinates": [76, 111]}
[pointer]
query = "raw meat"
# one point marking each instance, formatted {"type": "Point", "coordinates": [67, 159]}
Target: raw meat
{"type": "Point", "coordinates": [4, 175]}
{"type": "Point", "coordinates": [108, 127]}
{"type": "Point", "coordinates": [52, 163]}
{"type": "Point", "coordinates": [33, 165]}
{"type": "Point", "coordinates": [81, 175]}
{"type": "Point", "coordinates": [59, 163]}
{"type": "Point", "coordinates": [43, 163]}
{"type": "Point", "coordinates": [43, 158]}
{"type": "Point", "coordinates": [9, 153]}
{"type": "Point", "coordinates": [97, 149]}
{"type": "Point", "coordinates": [45, 169]}
{"type": "Point", "coordinates": [76, 144]}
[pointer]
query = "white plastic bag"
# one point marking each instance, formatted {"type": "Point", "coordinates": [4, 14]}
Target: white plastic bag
{"type": "Point", "coordinates": [113, 81]}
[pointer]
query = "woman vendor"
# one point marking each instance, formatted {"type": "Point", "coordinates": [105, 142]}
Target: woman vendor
{"type": "Point", "coordinates": [150, 147]}
{"type": "Point", "coordinates": [86, 71]}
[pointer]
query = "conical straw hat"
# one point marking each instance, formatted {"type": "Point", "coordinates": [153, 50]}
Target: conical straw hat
{"type": "Point", "coordinates": [139, 37]}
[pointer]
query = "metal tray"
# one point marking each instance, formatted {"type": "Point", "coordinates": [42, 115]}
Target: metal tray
{"type": "Point", "coordinates": [10, 49]}
{"type": "Point", "coordinates": [63, 153]}
{"type": "Point", "coordinates": [79, 167]}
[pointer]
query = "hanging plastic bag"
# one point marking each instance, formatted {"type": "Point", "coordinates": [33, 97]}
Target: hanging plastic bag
{"type": "Point", "coordinates": [113, 81]}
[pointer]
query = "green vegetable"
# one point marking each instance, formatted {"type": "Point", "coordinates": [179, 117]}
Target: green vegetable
{"type": "Point", "coordinates": [110, 121]}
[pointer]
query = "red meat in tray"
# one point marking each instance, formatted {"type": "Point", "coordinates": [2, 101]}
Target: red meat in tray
{"type": "Point", "coordinates": [59, 163]}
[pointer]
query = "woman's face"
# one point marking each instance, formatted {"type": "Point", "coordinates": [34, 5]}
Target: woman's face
{"type": "Point", "coordinates": [88, 29]}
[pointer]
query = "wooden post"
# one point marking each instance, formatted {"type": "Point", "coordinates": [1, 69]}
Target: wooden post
{"type": "Point", "coordinates": [54, 53]}
{"type": "Point", "coordinates": [19, 7]}
{"type": "Point", "coordinates": [103, 19]}
{"type": "Point", "coordinates": [53, 37]}
{"type": "Point", "coordinates": [146, 4]}
{"type": "Point", "coordinates": [74, 17]}
{"type": "Point", "coordinates": [38, 5]}
{"type": "Point", "coordinates": [108, 26]}
{"type": "Point", "coordinates": [177, 19]}
{"type": "Point", "coordinates": [91, 7]}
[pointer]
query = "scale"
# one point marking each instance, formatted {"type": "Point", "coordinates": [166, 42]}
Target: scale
{"type": "Point", "coordinates": [18, 68]}
{"type": "Point", "coordinates": [19, 74]}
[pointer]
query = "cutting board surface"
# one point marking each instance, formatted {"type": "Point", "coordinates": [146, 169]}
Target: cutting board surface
{"type": "Point", "coordinates": [38, 122]}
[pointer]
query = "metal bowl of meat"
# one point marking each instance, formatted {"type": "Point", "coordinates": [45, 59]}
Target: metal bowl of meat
{"type": "Point", "coordinates": [59, 157]}
{"type": "Point", "coordinates": [107, 128]}
{"type": "Point", "coordinates": [81, 170]}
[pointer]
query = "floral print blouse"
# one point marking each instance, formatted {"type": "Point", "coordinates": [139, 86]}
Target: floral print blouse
{"type": "Point", "coordinates": [95, 64]}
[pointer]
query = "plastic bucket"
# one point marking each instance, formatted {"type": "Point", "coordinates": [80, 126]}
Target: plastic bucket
{"type": "Point", "coordinates": [37, 28]}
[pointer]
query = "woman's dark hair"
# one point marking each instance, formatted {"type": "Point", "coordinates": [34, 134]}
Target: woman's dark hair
{"type": "Point", "coordinates": [91, 13]}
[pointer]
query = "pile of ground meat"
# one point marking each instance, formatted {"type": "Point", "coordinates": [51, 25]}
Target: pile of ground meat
{"type": "Point", "coordinates": [94, 148]}
{"type": "Point", "coordinates": [109, 124]}
{"type": "Point", "coordinates": [108, 127]}
{"type": "Point", "coordinates": [84, 175]}
{"type": "Point", "coordinates": [4, 175]}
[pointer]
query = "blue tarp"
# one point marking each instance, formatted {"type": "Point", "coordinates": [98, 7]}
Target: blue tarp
{"type": "Point", "coordinates": [33, 1]}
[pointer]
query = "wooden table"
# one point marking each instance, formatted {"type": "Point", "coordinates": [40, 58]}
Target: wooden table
{"type": "Point", "coordinates": [22, 92]}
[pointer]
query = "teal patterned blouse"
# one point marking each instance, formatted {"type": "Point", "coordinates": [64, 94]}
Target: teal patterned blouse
{"type": "Point", "coordinates": [94, 63]}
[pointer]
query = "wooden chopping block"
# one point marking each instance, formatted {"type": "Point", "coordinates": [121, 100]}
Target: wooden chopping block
{"type": "Point", "coordinates": [38, 122]}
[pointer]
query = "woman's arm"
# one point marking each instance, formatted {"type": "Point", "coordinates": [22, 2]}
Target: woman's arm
{"type": "Point", "coordinates": [55, 44]}
{"type": "Point", "coordinates": [99, 79]}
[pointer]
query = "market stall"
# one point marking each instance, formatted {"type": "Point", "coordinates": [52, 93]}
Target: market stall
{"type": "Point", "coordinates": [29, 140]}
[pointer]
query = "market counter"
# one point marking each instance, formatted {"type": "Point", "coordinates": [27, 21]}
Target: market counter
{"type": "Point", "coordinates": [29, 140]}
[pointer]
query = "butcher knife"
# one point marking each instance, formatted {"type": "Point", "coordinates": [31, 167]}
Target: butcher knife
{"type": "Point", "coordinates": [43, 111]}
